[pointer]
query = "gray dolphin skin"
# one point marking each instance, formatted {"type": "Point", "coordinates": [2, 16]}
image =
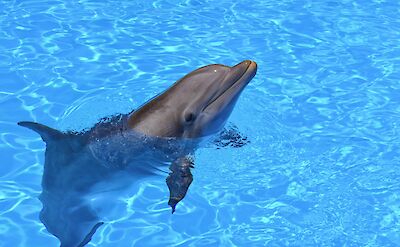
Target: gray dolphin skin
{"type": "Point", "coordinates": [197, 105]}
{"type": "Point", "coordinates": [125, 148]}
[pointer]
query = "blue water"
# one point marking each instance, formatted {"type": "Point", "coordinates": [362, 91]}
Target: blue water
{"type": "Point", "coordinates": [322, 116]}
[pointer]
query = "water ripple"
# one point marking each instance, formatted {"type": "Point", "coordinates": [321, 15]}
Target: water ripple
{"type": "Point", "coordinates": [322, 116]}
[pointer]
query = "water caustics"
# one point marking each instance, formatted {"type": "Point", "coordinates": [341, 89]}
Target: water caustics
{"type": "Point", "coordinates": [320, 120]}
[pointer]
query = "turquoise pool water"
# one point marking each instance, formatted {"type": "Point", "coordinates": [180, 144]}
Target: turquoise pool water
{"type": "Point", "coordinates": [322, 116]}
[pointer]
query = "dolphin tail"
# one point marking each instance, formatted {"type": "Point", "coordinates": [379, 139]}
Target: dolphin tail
{"type": "Point", "coordinates": [48, 134]}
{"type": "Point", "coordinates": [65, 213]}
{"type": "Point", "coordinates": [72, 221]}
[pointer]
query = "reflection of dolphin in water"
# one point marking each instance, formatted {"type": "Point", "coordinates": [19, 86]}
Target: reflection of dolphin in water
{"type": "Point", "coordinates": [167, 129]}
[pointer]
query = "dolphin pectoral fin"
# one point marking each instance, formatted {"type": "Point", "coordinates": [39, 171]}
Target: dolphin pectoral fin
{"type": "Point", "coordinates": [179, 180]}
{"type": "Point", "coordinates": [230, 137]}
{"type": "Point", "coordinates": [48, 134]}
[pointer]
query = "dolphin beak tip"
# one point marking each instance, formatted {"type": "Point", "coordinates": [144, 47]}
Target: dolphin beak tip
{"type": "Point", "coordinates": [250, 64]}
{"type": "Point", "coordinates": [253, 64]}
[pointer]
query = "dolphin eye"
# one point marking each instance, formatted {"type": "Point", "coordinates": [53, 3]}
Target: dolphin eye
{"type": "Point", "coordinates": [189, 117]}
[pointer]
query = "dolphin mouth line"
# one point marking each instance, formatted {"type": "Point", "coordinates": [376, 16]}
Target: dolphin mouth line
{"type": "Point", "coordinates": [227, 89]}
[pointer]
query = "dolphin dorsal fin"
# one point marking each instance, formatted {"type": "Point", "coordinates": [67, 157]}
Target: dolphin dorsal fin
{"type": "Point", "coordinates": [48, 134]}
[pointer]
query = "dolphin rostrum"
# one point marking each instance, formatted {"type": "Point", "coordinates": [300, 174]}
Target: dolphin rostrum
{"type": "Point", "coordinates": [127, 147]}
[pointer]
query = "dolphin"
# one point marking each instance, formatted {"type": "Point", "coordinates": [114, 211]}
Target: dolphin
{"type": "Point", "coordinates": [127, 147]}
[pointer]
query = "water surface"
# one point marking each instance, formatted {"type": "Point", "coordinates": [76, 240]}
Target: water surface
{"type": "Point", "coordinates": [322, 116]}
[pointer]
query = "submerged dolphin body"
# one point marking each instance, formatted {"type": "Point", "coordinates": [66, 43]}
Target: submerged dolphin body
{"type": "Point", "coordinates": [127, 147]}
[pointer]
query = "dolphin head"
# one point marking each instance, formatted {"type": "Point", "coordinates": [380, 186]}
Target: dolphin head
{"type": "Point", "coordinates": [195, 106]}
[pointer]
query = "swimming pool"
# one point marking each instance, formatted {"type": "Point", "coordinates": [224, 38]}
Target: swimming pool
{"type": "Point", "coordinates": [322, 116]}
